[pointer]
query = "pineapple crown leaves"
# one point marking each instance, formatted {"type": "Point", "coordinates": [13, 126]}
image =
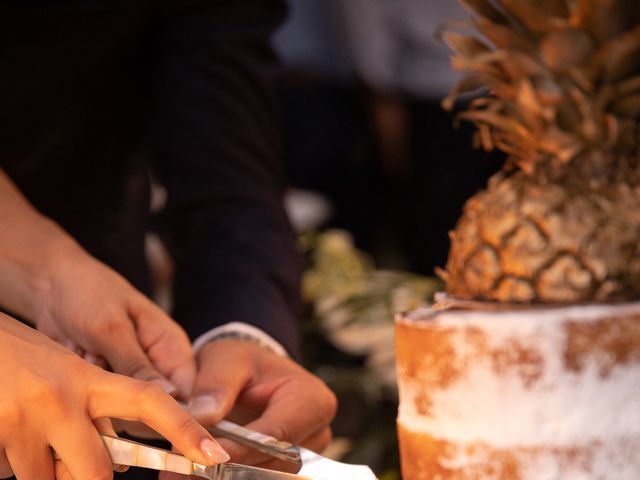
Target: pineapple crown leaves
{"type": "Point", "coordinates": [562, 80]}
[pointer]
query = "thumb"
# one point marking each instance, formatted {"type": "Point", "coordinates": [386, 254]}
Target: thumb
{"type": "Point", "coordinates": [224, 371]}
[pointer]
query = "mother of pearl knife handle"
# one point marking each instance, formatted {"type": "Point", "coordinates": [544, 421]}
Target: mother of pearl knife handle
{"type": "Point", "coordinates": [134, 454]}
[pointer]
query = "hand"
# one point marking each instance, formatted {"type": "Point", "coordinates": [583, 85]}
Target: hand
{"type": "Point", "coordinates": [92, 308]}
{"type": "Point", "coordinates": [51, 398]}
{"type": "Point", "coordinates": [48, 279]}
{"type": "Point", "coordinates": [244, 382]}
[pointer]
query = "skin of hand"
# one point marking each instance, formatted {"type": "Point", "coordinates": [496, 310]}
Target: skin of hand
{"type": "Point", "coordinates": [51, 398]}
{"type": "Point", "coordinates": [242, 381]}
{"type": "Point", "coordinates": [50, 281]}
{"type": "Point", "coordinates": [94, 309]}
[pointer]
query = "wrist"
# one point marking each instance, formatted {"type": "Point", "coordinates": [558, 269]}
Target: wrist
{"type": "Point", "coordinates": [242, 332]}
{"type": "Point", "coordinates": [31, 246]}
{"type": "Point", "coordinates": [47, 266]}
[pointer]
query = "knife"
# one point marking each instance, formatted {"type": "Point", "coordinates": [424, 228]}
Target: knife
{"type": "Point", "coordinates": [314, 465]}
{"type": "Point", "coordinates": [134, 454]}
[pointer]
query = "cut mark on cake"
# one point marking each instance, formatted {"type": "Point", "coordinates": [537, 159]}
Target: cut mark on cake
{"type": "Point", "coordinates": [607, 343]}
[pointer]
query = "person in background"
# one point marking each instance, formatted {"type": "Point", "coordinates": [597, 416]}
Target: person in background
{"type": "Point", "coordinates": [366, 128]}
{"type": "Point", "coordinates": [95, 97]}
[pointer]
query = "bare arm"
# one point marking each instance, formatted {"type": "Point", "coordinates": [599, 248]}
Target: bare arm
{"type": "Point", "coordinates": [30, 247]}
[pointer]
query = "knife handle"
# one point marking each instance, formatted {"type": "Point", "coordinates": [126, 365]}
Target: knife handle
{"type": "Point", "coordinates": [259, 441]}
{"type": "Point", "coordinates": [134, 454]}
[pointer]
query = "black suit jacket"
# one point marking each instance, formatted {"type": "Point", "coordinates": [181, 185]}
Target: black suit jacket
{"type": "Point", "coordinates": [94, 94]}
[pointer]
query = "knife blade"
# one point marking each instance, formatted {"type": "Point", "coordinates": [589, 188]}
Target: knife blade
{"type": "Point", "coordinates": [314, 465]}
{"type": "Point", "coordinates": [259, 441]}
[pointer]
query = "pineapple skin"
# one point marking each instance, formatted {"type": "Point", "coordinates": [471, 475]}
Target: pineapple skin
{"type": "Point", "coordinates": [523, 240]}
{"type": "Point", "coordinates": [561, 80]}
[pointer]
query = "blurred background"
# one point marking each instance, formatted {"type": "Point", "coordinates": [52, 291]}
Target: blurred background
{"type": "Point", "coordinates": [378, 175]}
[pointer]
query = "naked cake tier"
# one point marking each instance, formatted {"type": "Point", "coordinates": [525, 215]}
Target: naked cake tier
{"type": "Point", "coordinates": [520, 394]}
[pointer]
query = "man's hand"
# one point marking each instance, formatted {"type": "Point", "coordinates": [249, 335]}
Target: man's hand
{"type": "Point", "coordinates": [242, 381]}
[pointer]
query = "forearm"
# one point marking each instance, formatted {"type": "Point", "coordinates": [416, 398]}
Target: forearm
{"type": "Point", "coordinates": [218, 153]}
{"type": "Point", "coordinates": [31, 249]}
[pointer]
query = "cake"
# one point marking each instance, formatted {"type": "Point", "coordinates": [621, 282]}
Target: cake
{"type": "Point", "coordinates": [513, 393]}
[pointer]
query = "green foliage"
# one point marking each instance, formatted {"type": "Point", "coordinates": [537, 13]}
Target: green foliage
{"type": "Point", "coordinates": [350, 342]}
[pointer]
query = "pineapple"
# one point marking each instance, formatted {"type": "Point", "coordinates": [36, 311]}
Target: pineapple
{"type": "Point", "coordinates": [561, 222]}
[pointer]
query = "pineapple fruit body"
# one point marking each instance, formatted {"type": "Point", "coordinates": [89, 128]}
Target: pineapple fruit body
{"type": "Point", "coordinates": [561, 82]}
{"type": "Point", "coordinates": [525, 241]}
{"type": "Point", "coordinates": [537, 345]}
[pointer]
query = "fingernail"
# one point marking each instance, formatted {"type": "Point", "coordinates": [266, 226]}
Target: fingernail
{"type": "Point", "coordinates": [214, 451]}
{"type": "Point", "coordinates": [203, 405]}
{"type": "Point", "coordinates": [168, 387]}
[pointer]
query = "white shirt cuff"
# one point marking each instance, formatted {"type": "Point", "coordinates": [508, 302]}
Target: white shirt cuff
{"type": "Point", "coordinates": [240, 331]}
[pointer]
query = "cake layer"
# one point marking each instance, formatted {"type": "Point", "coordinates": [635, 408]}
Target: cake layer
{"type": "Point", "coordinates": [427, 458]}
{"type": "Point", "coordinates": [555, 377]}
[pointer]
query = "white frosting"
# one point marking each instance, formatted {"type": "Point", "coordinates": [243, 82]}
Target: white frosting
{"type": "Point", "coordinates": [562, 409]}
{"type": "Point", "coordinates": [615, 461]}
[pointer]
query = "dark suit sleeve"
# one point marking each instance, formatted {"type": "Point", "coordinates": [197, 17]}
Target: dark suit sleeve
{"type": "Point", "coordinates": [217, 151]}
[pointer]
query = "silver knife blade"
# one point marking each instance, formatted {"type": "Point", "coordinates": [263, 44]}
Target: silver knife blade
{"type": "Point", "coordinates": [314, 465]}
{"type": "Point", "coordinates": [233, 471]}
{"type": "Point", "coordinates": [259, 441]}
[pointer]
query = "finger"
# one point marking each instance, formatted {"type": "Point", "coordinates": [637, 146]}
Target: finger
{"type": "Point", "coordinates": [296, 410]}
{"type": "Point", "coordinates": [122, 397]}
{"type": "Point", "coordinates": [61, 471]}
{"type": "Point", "coordinates": [136, 429]}
{"type": "Point", "coordinates": [139, 430]}
{"type": "Point", "coordinates": [105, 427]}
{"type": "Point", "coordinates": [5, 466]}
{"type": "Point", "coordinates": [120, 348]}
{"type": "Point", "coordinates": [224, 371]}
{"type": "Point", "coordinates": [82, 450]}
{"type": "Point", "coordinates": [166, 345]}
{"type": "Point", "coordinates": [31, 461]}
{"type": "Point", "coordinates": [318, 442]}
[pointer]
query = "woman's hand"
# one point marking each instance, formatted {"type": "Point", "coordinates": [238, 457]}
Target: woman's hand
{"type": "Point", "coordinates": [50, 281]}
{"type": "Point", "coordinates": [51, 398]}
{"type": "Point", "coordinates": [92, 308]}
